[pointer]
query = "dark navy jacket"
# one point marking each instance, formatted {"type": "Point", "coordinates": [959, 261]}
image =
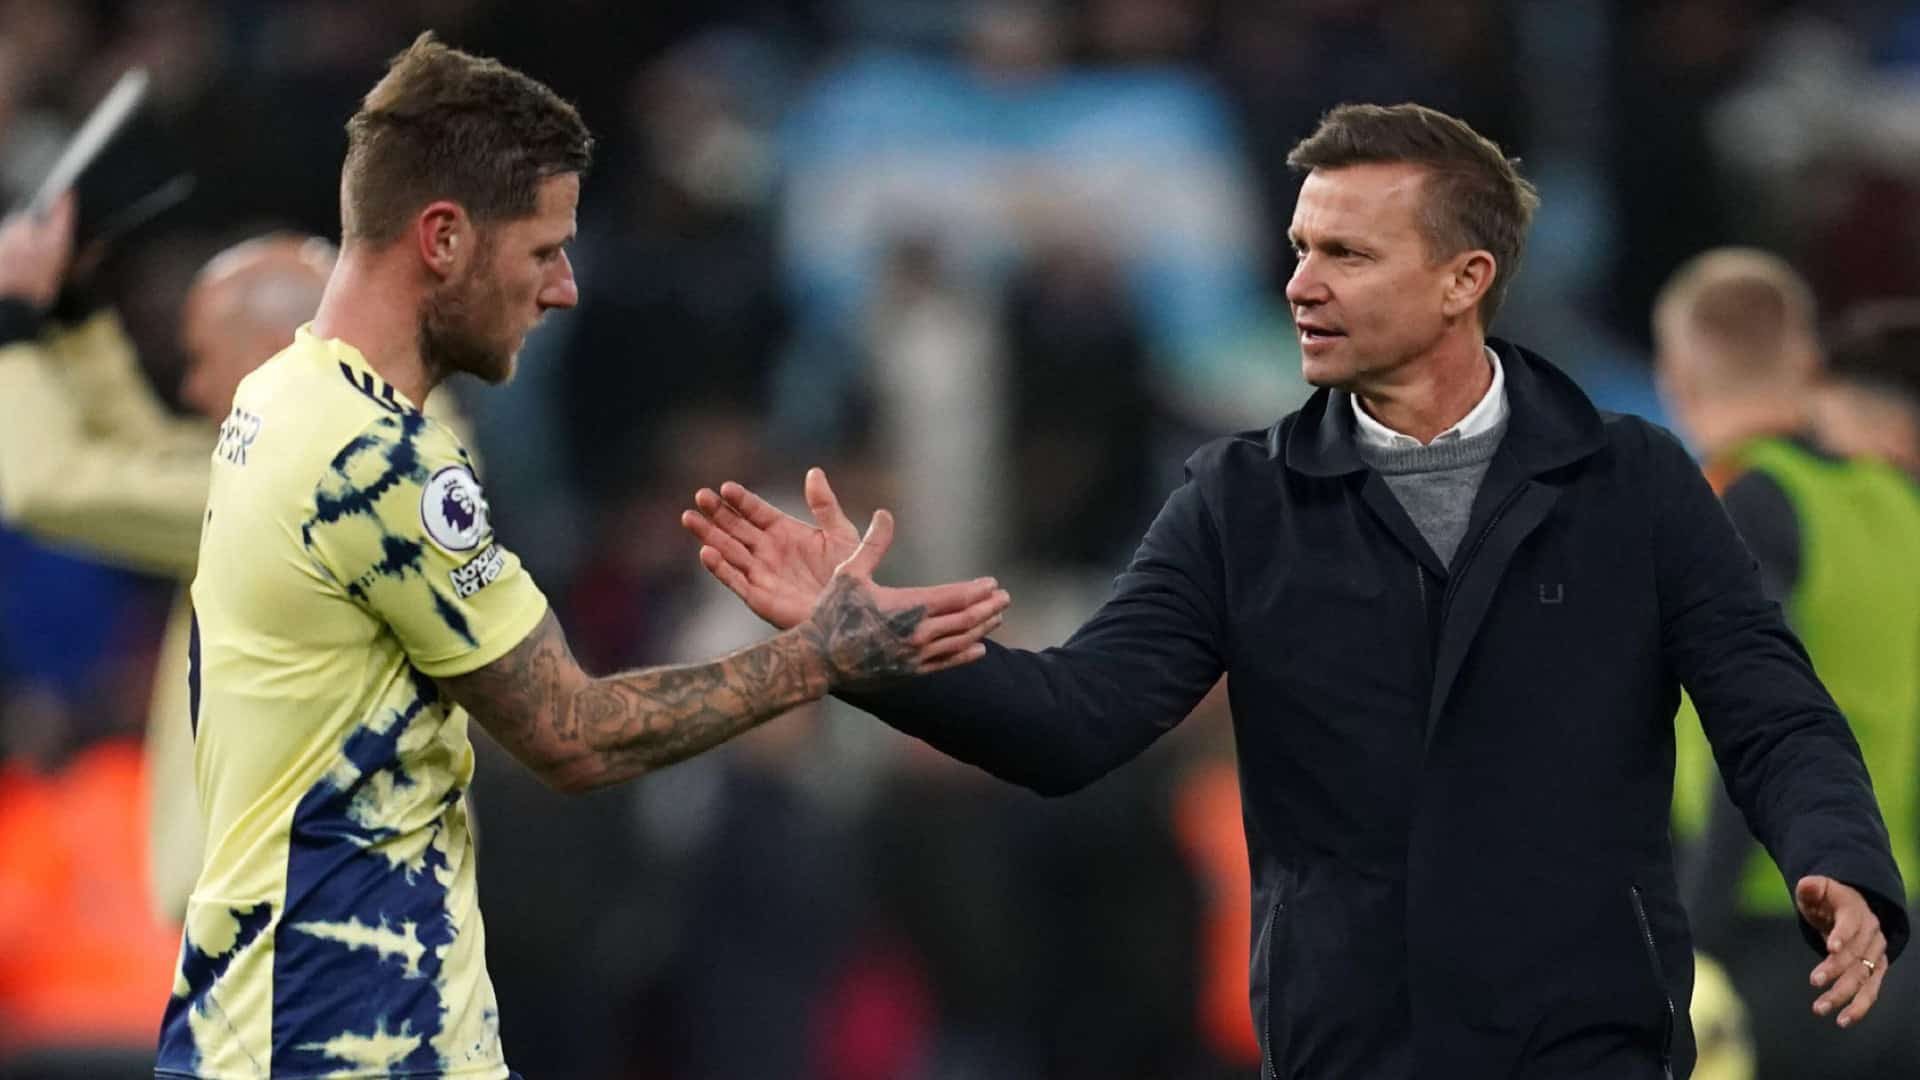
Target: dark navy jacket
{"type": "Point", "coordinates": [1456, 781]}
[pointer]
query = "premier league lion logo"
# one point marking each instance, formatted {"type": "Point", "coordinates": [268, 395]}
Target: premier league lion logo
{"type": "Point", "coordinates": [452, 510]}
{"type": "Point", "coordinates": [458, 507]}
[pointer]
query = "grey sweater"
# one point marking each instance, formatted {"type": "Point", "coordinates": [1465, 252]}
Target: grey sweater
{"type": "Point", "coordinates": [1436, 483]}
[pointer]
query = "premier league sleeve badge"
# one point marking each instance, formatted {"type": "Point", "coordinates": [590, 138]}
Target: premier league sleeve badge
{"type": "Point", "coordinates": [452, 510]}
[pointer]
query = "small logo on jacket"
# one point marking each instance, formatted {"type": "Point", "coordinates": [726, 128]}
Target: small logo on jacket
{"type": "Point", "coordinates": [1555, 593]}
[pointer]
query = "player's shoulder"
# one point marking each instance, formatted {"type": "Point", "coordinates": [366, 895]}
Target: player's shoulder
{"type": "Point", "coordinates": [401, 475]}
{"type": "Point", "coordinates": [328, 408]}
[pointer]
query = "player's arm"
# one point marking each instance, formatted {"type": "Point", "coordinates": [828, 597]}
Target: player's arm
{"type": "Point", "coordinates": [579, 732]}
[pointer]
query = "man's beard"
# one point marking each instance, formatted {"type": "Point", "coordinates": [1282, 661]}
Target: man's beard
{"type": "Point", "coordinates": [453, 332]}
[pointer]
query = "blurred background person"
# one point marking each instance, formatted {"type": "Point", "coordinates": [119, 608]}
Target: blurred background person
{"type": "Point", "coordinates": [92, 460]}
{"type": "Point", "coordinates": [1869, 403]}
{"type": "Point", "coordinates": [1838, 543]}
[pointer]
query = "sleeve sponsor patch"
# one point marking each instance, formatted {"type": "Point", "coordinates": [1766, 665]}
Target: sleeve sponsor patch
{"type": "Point", "coordinates": [478, 572]}
{"type": "Point", "coordinates": [237, 433]}
{"type": "Point", "coordinates": [452, 511]}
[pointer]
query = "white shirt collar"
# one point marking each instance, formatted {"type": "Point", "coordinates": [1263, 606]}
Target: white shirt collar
{"type": "Point", "coordinates": [1482, 418]}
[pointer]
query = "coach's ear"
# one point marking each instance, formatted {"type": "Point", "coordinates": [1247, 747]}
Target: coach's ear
{"type": "Point", "coordinates": [444, 235]}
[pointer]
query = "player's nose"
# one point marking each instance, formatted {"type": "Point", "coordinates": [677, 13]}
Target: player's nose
{"type": "Point", "coordinates": [560, 290]}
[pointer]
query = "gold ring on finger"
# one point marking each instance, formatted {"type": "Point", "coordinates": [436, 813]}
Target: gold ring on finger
{"type": "Point", "coordinates": [1870, 964]}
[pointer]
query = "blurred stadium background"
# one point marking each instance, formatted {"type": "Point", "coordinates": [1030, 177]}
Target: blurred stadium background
{"type": "Point", "coordinates": [998, 265]}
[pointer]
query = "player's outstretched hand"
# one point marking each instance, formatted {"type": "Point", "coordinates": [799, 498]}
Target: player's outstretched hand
{"type": "Point", "coordinates": [783, 567]}
{"type": "Point", "coordinates": [1856, 963]}
{"type": "Point", "coordinates": [34, 253]}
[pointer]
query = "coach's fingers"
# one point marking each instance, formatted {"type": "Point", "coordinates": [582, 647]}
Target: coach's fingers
{"type": "Point", "coordinates": [1869, 994]}
{"type": "Point", "coordinates": [1839, 964]}
{"type": "Point", "coordinates": [938, 599]}
{"type": "Point", "coordinates": [959, 622]}
{"type": "Point", "coordinates": [947, 646]}
{"type": "Point", "coordinates": [1852, 929]}
{"type": "Point", "coordinates": [972, 653]}
{"type": "Point", "coordinates": [1859, 970]}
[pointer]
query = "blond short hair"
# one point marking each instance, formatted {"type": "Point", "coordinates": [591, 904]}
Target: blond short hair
{"type": "Point", "coordinates": [1748, 308]}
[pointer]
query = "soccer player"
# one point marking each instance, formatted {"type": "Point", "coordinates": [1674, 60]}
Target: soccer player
{"type": "Point", "coordinates": [351, 594]}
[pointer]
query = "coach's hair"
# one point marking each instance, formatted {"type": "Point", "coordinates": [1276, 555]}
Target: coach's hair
{"type": "Point", "coordinates": [443, 124]}
{"type": "Point", "coordinates": [1475, 197]}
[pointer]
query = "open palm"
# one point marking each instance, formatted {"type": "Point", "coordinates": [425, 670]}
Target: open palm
{"type": "Point", "coordinates": [780, 565]}
{"type": "Point", "coordinates": [775, 562]}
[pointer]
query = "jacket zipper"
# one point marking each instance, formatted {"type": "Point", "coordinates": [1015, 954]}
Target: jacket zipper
{"type": "Point", "coordinates": [1456, 571]}
{"type": "Point", "coordinates": [1273, 926]}
{"type": "Point", "coordinates": [1653, 957]}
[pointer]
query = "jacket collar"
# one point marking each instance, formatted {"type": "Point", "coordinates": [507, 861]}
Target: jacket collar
{"type": "Point", "coordinates": [1552, 422]}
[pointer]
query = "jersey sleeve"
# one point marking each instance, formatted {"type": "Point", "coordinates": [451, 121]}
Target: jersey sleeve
{"type": "Point", "coordinates": [399, 522]}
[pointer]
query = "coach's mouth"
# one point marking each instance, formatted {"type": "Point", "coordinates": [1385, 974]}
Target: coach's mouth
{"type": "Point", "coordinates": [1315, 335]}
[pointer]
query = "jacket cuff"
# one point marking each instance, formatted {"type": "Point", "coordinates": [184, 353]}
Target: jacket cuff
{"type": "Point", "coordinates": [20, 320]}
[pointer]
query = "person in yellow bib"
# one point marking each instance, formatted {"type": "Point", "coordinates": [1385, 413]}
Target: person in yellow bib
{"type": "Point", "coordinates": [353, 606]}
{"type": "Point", "coordinates": [1838, 545]}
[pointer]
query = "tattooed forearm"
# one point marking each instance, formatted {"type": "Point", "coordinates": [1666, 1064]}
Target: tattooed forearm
{"type": "Point", "coordinates": [644, 720]}
{"type": "Point", "coordinates": [580, 732]}
{"type": "Point", "coordinates": [861, 643]}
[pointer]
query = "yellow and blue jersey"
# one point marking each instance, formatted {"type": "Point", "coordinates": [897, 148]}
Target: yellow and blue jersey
{"type": "Point", "coordinates": [347, 561]}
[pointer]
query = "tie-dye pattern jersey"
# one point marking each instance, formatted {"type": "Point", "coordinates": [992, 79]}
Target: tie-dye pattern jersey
{"type": "Point", "coordinates": [346, 562]}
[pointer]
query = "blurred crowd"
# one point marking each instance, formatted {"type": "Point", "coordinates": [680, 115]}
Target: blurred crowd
{"type": "Point", "coordinates": [996, 264]}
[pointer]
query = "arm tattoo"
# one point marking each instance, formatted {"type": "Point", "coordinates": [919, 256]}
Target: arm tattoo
{"type": "Point", "coordinates": [860, 642]}
{"type": "Point", "coordinates": [580, 732]}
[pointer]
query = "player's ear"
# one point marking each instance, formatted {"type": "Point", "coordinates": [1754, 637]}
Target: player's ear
{"type": "Point", "coordinates": [444, 236]}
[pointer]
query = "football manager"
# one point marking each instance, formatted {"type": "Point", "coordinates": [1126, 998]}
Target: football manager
{"type": "Point", "coordinates": [1456, 604]}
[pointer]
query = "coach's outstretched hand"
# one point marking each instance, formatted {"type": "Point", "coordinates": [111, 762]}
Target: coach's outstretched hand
{"type": "Point", "coordinates": [781, 566]}
{"type": "Point", "coordinates": [1856, 963]}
